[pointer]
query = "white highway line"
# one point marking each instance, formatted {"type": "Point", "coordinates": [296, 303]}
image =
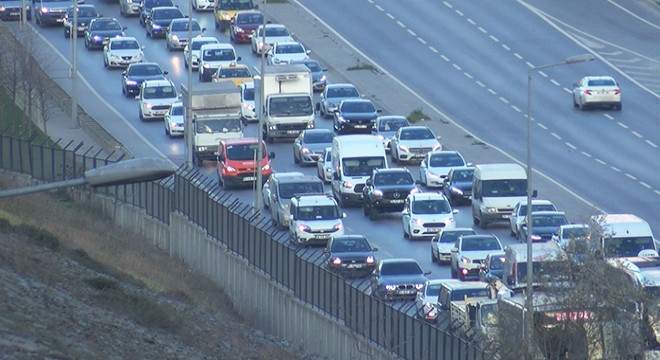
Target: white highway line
{"type": "Point", "coordinates": [555, 135]}
{"type": "Point", "coordinates": [468, 75]}
{"type": "Point", "coordinates": [570, 145]}
{"type": "Point", "coordinates": [494, 38]}
{"type": "Point", "coordinates": [613, 53]}
{"type": "Point", "coordinates": [541, 73]}
{"type": "Point", "coordinates": [411, 32]}
{"type": "Point", "coordinates": [555, 82]}
{"type": "Point", "coordinates": [471, 21]}
{"type": "Point", "coordinates": [643, 184]}
{"type": "Point", "coordinates": [627, 61]}
{"type": "Point", "coordinates": [504, 100]}
{"type": "Point", "coordinates": [585, 154]}
{"type": "Point", "coordinates": [542, 126]}
{"type": "Point", "coordinates": [433, 49]}
{"type": "Point", "coordinates": [506, 47]}
{"type": "Point", "coordinates": [651, 143]}
{"type": "Point", "coordinates": [447, 4]}
{"type": "Point", "coordinates": [482, 30]}
{"type": "Point", "coordinates": [608, 116]}
{"type": "Point", "coordinates": [518, 56]}
{"type": "Point", "coordinates": [444, 58]}
{"type": "Point", "coordinates": [421, 40]}
{"type": "Point", "coordinates": [530, 65]}
{"type": "Point", "coordinates": [568, 90]}
{"type": "Point", "coordinates": [622, 125]}
{"type": "Point", "coordinates": [492, 91]}
{"type": "Point", "coordinates": [459, 13]}
{"type": "Point", "coordinates": [456, 66]}
{"type": "Point", "coordinates": [380, 8]}
{"type": "Point", "coordinates": [390, 16]}
{"type": "Point", "coordinates": [600, 161]}
{"type": "Point", "coordinates": [400, 24]}
{"type": "Point", "coordinates": [630, 176]}
{"type": "Point", "coordinates": [516, 108]}
{"type": "Point", "coordinates": [637, 134]}
{"type": "Point", "coordinates": [657, 192]}
{"type": "Point", "coordinates": [634, 15]}
{"type": "Point", "coordinates": [480, 84]}
{"type": "Point", "coordinates": [615, 169]}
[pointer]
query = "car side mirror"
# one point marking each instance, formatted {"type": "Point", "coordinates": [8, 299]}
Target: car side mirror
{"type": "Point", "coordinates": [308, 52]}
{"type": "Point", "coordinates": [438, 137]}
{"type": "Point", "coordinates": [422, 164]}
{"type": "Point", "coordinates": [291, 217]}
{"type": "Point", "coordinates": [469, 164]}
{"type": "Point", "coordinates": [454, 211]}
{"type": "Point", "coordinates": [238, 58]}
{"type": "Point", "coordinates": [419, 182]}
{"type": "Point", "coordinates": [454, 250]}
{"type": "Point", "coordinates": [374, 249]}
{"type": "Point", "coordinates": [427, 273]}
{"type": "Point", "coordinates": [256, 7]}
{"type": "Point", "coordinates": [165, 72]}
{"type": "Point", "coordinates": [123, 72]}
{"type": "Point", "coordinates": [368, 182]}
{"type": "Point", "coordinates": [275, 198]}
{"type": "Point", "coordinates": [336, 111]}
{"type": "Point", "coordinates": [324, 69]}
{"type": "Point", "coordinates": [271, 155]}
{"type": "Point", "coordinates": [325, 251]}
{"type": "Point", "coordinates": [379, 111]}
{"type": "Point", "coordinates": [204, 29]}
{"type": "Point", "coordinates": [80, 2]}
{"type": "Point", "coordinates": [535, 193]}
{"type": "Point", "coordinates": [318, 106]}
{"type": "Point", "coordinates": [221, 158]}
{"type": "Point", "coordinates": [137, 97]}
{"type": "Point", "coordinates": [335, 175]}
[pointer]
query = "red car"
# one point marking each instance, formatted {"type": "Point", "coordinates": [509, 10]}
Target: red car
{"type": "Point", "coordinates": [236, 165]}
{"type": "Point", "coordinates": [242, 25]}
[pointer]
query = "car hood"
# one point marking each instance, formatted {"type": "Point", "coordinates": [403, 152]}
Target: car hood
{"type": "Point", "coordinates": [440, 170]}
{"type": "Point", "coordinates": [445, 246]}
{"type": "Point", "coordinates": [347, 256]}
{"type": "Point", "coordinates": [83, 20]}
{"type": "Point", "coordinates": [57, 5]}
{"type": "Point", "coordinates": [141, 78]}
{"type": "Point", "coordinates": [184, 35]}
{"type": "Point", "coordinates": [167, 101]}
{"type": "Point", "coordinates": [289, 57]}
{"type": "Point", "coordinates": [431, 218]}
{"type": "Point", "coordinates": [544, 230]}
{"type": "Point", "coordinates": [477, 254]}
{"type": "Point", "coordinates": [395, 188]}
{"type": "Point", "coordinates": [337, 100]}
{"type": "Point", "coordinates": [430, 143]}
{"type": "Point", "coordinates": [276, 39]}
{"type": "Point", "coordinates": [106, 33]}
{"type": "Point", "coordinates": [463, 185]}
{"type": "Point", "coordinates": [319, 224]}
{"type": "Point", "coordinates": [177, 119]}
{"type": "Point", "coordinates": [359, 116]}
{"type": "Point", "coordinates": [317, 76]}
{"type": "Point", "coordinates": [125, 52]}
{"type": "Point", "coordinates": [402, 279]}
{"type": "Point", "coordinates": [317, 148]}
{"type": "Point", "coordinates": [386, 134]}
{"type": "Point", "coordinates": [163, 22]}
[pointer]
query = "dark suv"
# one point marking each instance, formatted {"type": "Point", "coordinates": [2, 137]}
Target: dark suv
{"type": "Point", "coordinates": [147, 5]}
{"type": "Point", "coordinates": [386, 190]}
{"type": "Point", "coordinates": [397, 279]}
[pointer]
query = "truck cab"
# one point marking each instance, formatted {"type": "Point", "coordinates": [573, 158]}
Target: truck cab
{"type": "Point", "coordinates": [236, 162]}
{"type": "Point", "coordinates": [474, 317]}
{"type": "Point", "coordinates": [623, 235]}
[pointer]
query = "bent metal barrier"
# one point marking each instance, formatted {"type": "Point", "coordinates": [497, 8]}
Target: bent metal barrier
{"type": "Point", "coordinates": [250, 237]}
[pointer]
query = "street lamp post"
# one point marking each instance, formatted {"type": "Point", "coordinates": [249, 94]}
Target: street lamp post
{"type": "Point", "coordinates": [529, 307]}
{"type": "Point", "coordinates": [262, 104]}
{"type": "Point", "coordinates": [74, 65]}
{"type": "Point", "coordinates": [188, 126]}
{"type": "Point", "coordinates": [121, 173]}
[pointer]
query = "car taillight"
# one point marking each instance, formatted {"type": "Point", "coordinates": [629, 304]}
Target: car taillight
{"type": "Point", "coordinates": [587, 92]}
{"type": "Point", "coordinates": [617, 91]}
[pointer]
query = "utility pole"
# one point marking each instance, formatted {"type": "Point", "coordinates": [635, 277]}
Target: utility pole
{"type": "Point", "coordinates": [188, 127]}
{"type": "Point", "coordinates": [74, 66]}
{"type": "Point", "coordinates": [260, 132]}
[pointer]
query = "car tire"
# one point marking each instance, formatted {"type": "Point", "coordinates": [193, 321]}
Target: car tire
{"type": "Point", "coordinates": [373, 214]}
{"type": "Point", "coordinates": [86, 43]}
{"type": "Point", "coordinates": [295, 158]}
{"type": "Point", "coordinates": [434, 259]}
{"type": "Point", "coordinates": [618, 107]}
{"type": "Point", "coordinates": [169, 47]}
{"type": "Point", "coordinates": [512, 233]}
{"type": "Point", "coordinates": [454, 274]}
{"type": "Point", "coordinates": [149, 34]}
{"type": "Point", "coordinates": [393, 157]}
{"type": "Point", "coordinates": [475, 220]}
{"type": "Point", "coordinates": [406, 235]}
{"type": "Point", "coordinates": [67, 34]}
{"type": "Point", "coordinates": [581, 106]}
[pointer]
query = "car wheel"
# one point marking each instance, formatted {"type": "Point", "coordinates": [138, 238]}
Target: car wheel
{"type": "Point", "coordinates": [86, 43]}
{"type": "Point", "coordinates": [67, 34]}
{"type": "Point", "coordinates": [169, 47]}
{"type": "Point", "coordinates": [393, 157]}
{"type": "Point", "coordinates": [575, 104]}
{"type": "Point", "coordinates": [295, 158]}
{"type": "Point", "coordinates": [123, 91]}
{"type": "Point", "coordinates": [105, 61]}
{"type": "Point", "coordinates": [434, 258]}
{"type": "Point", "coordinates": [406, 235]}
{"type": "Point", "coordinates": [454, 275]}
{"type": "Point", "coordinates": [581, 106]}
{"type": "Point", "coordinates": [373, 214]}
{"type": "Point", "coordinates": [475, 220]}
{"type": "Point", "coordinates": [483, 224]}
{"type": "Point", "coordinates": [148, 33]}
{"type": "Point", "coordinates": [512, 233]}
{"type": "Point", "coordinates": [140, 114]}
{"type": "Point", "coordinates": [619, 107]}
{"type": "Point", "coordinates": [365, 210]}
{"type": "Point", "coordinates": [340, 201]}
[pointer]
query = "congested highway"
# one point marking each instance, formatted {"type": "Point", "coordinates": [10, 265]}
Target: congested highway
{"type": "Point", "coordinates": [468, 60]}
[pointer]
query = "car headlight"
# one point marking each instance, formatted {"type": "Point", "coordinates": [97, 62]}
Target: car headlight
{"type": "Point", "coordinates": [417, 221]}
{"type": "Point", "coordinates": [456, 190]}
{"type": "Point", "coordinates": [415, 191]}
{"type": "Point", "coordinates": [203, 148]}
{"type": "Point", "coordinates": [225, 16]}
{"type": "Point", "coordinates": [131, 82]}
{"type": "Point", "coordinates": [437, 147]}
{"type": "Point", "coordinates": [465, 260]}
{"type": "Point", "coordinates": [173, 124]}
{"type": "Point", "coordinates": [303, 228]}
{"type": "Point", "coordinates": [336, 261]}
{"type": "Point", "coordinates": [305, 150]}
{"type": "Point", "coordinates": [370, 260]}
{"type": "Point", "coordinates": [194, 58]}
{"type": "Point", "coordinates": [230, 169]}
{"type": "Point", "coordinates": [207, 66]}
{"type": "Point", "coordinates": [155, 26]}
{"type": "Point", "coordinates": [431, 174]}
{"type": "Point", "coordinates": [419, 286]}
{"type": "Point", "coordinates": [338, 226]}
{"type": "Point", "coordinates": [265, 167]}
{"type": "Point", "coordinates": [146, 105]}
{"type": "Point", "coordinates": [175, 38]}
{"type": "Point", "coordinates": [490, 209]}
{"type": "Point", "coordinates": [347, 184]}
{"type": "Point", "coordinates": [390, 287]}
{"type": "Point", "coordinates": [238, 30]}
{"type": "Point", "coordinates": [114, 57]}
{"type": "Point", "coordinates": [248, 107]}
{"type": "Point", "coordinates": [536, 237]}
{"type": "Point", "coordinates": [45, 10]}
{"type": "Point", "coordinates": [97, 38]}
{"type": "Point", "coordinates": [378, 193]}
{"type": "Point", "coordinates": [340, 118]}
{"type": "Point", "coordinates": [277, 61]}
{"type": "Point", "coordinates": [381, 137]}
{"type": "Point", "coordinates": [323, 78]}
{"type": "Point", "coordinates": [403, 148]}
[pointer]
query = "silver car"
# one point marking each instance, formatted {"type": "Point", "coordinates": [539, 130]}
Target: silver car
{"type": "Point", "coordinates": [444, 241]}
{"type": "Point", "coordinates": [412, 143]}
{"type": "Point", "coordinates": [386, 126]}
{"type": "Point", "coordinates": [332, 96]}
{"type": "Point", "coordinates": [129, 7]}
{"type": "Point", "coordinates": [309, 145]}
{"type": "Point", "coordinates": [192, 50]}
{"type": "Point", "coordinates": [324, 166]}
{"type": "Point", "coordinates": [174, 121]}
{"type": "Point", "coordinates": [177, 33]}
{"type": "Point", "coordinates": [597, 91]}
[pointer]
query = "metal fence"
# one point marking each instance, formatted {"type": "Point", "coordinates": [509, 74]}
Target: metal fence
{"type": "Point", "coordinates": [251, 236]}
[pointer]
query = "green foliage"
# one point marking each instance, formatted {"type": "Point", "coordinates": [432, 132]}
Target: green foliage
{"type": "Point", "coordinates": [38, 236]}
{"type": "Point", "coordinates": [362, 66]}
{"type": "Point", "coordinates": [417, 115]}
{"type": "Point", "coordinates": [14, 122]}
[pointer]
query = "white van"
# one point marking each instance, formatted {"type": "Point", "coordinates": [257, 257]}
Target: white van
{"type": "Point", "coordinates": [496, 189]}
{"type": "Point", "coordinates": [354, 157]}
{"type": "Point", "coordinates": [623, 235]}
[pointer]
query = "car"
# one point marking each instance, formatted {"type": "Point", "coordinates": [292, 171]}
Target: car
{"type": "Point", "coordinates": [387, 125]}
{"type": "Point", "coordinates": [271, 185]}
{"type": "Point", "coordinates": [457, 185]}
{"type": "Point", "coordinates": [213, 56]}
{"type": "Point", "coordinates": [469, 254]}
{"type": "Point", "coordinates": [191, 51]}
{"type": "Point", "coordinates": [101, 30]}
{"type": "Point", "coordinates": [135, 74]}
{"type": "Point", "coordinates": [49, 12]}
{"type": "Point", "coordinates": [319, 80]}
{"type": "Point", "coordinates": [242, 25]}
{"type": "Point", "coordinates": [425, 214]}
{"type": "Point", "coordinates": [147, 5]}
{"type": "Point", "coordinates": [350, 256]}
{"type": "Point", "coordinates": [397, 279]}
{"type": "Point", "coordinates": [355, 116]}
{"type": "Point", "coordinates": [283, 189]}
{"type": "Point", "coordinates": [314, 219]}
{"type": "Point", "coordinates": [520, 213]}
{"type": "Point", "coordinates": [129, 7]}
{"type": "Point", "coordinates": [386, 190]}
{"type": "Point", "coordinates": [236, 166]}
{"type": "Point", "coordinates": [444, 241]}
{"type": "Point", "coordinates": [285, 52]}
{"type": "Point", "coordinates": [225, 10]}
{"type": "Point", "coordinates": [451, 291]}
{"type": "Point", "coordinates": [236, 73]}
{"type": "Point", "coordinates": [155, 99]}
{"type": "Point", "coordinates": [121, 52]}
{"type": "Point", "coordinates": [412, 143]}
{"type": "Point", "coordinates": [493, 267]}
{"type": "Point", "coordinates": [202, 5]}
{"type": "Point", "coordinates": [85, 15]}
{"type": "Point", "coordinates": [274, 33]}
{"type": "Point", "coordinates": [248, 114]}
{"type": "Point", "coordinates": [332, 95]}
{"type": "Point", "coordinates": [436, 166]}
{"type": "Point", "coordinates": [177, 33]}
{"type": "Point", "coordinates": [309, 145]}
{"type": "Point", "coordinates": [174, 120]}
{"type": "Point", "coordinates": [597, 91]}
{"type": "Point", "coordinates": [426, 300]}
{"type": "Point", "coordinates": [324, 166]}
{"type": "Point", "coordinates": [567, 234]}
{"type": "Point", "coordinates": [159, 19]}
{"type": "Point", "coordinates": [544, 225]}
{"type": "Point", "coordinates": [12, 10]}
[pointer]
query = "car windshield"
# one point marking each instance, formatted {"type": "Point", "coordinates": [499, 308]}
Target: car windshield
{"type": "Point", "coordinates": [249, 19]}
{"type": "Point", "coordinates": [392, 124]}
{"type": "Point", "coordinates": [248, 94]}
{"type": "Point", "coordinates": [497, 263]}
{"type": "Point", "coordinates": [176, 111]}
{"type": "Point", "coordinates": [124, 45]}
{"type": "Point", "coordinates": [452, 235]}
{"type": "Point", "coordinates": [463, 175]}
{"type": "Point", "coordinates": [148, 4]}
{"type": "Point", "coordinates": [318, 137]}
{"type": "Point", "coordinates": [602, 82]}
{"type": "Point", "coordinates": [219, 55]}
{"type": "Point", "coordinates": [83, 12]}
{"type": "Point", "coordinates": [275, 32]}
{"type": "Point", "coordinates": [105, 25]}
{"type": "Point", "coordinates": [342, 92]}
{"type": "Point", "coordinates": [480, 243]}
{"type": "Point", "coordinates": [392, 178]}
{"type": "Point", "coordinates": [159, 92]}
{"type": "Point", "coordinates": [353, 244]}
{"type": "Point", "coordinates": [318, 212]}
{"type": "Point", "coordinates": [361, 166]}
{"type": "Point", "coordinates": [244, 152]}
{"type": "Point", "coordinates": [289, 190]}
{"type": "Point", "coordinates": [183, 26]}
{"type": "Point", "coordinates": [313, 66]}
{"type": "Point", "coordinates": [433, 289]}
{"type": "Point", "coordinates": [575, 233]}
{"type": "Point", "coordinates": [548, 220]}
{"type": "Point", "coordinates": [144, 70]}
{"type": "Point", "coordinates": [416, 134]}
{"type": "Point", "coordinates": [461, 294]}
{"type": "Point", "coordinates": [548, 270]}
{"type": "Point", "coordinates": [503, 188]}
{"type": "Point", "coordinates": [196, 45]}
{"type": "Point", "coordinates": [444, 160]}
{"type": "Point", "coordinates": [489, 314]}
{"type": "Point", "coordinates": [537, 207]}
{"type": "Point", "coordinates": [401, 268]}
{"type": "Point", "coordinates": [358, 107]}
{"type": "Point", "coordinates": [291, 105]}
{"type": "Point", "coordinates": [431, 207]}
{"type": "Point", "coordinates": [289, 49]}
{"type": "Point", "coordinates": [218, 126]}
{"type": "Point", "coordinates": [56, 0]}
{"type": "Point", "coordinates": [627, 246]}
{"type": "Point", "coordinates": [236, 4]}
{"type": "Point", "coordinates": [234, 73]}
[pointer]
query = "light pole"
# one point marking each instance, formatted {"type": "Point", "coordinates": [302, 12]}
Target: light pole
{"type": "Point", "coordinates": [262, 104]}
{"type": "Point", "coordinates": [74, 65]}
{"type": "Point", "coordinates": [121, 173]}
{"type": "Point", "coordinates": [188, 127]}
{"type": "Point", "coordinates": [529, 302]}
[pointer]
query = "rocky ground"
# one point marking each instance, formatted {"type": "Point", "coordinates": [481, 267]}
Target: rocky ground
{"type": "Point", "coordinates": [73, 286]}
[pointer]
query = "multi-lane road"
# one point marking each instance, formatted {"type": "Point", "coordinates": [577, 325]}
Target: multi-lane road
{"type": "Point", "coordinates": [469, 61]}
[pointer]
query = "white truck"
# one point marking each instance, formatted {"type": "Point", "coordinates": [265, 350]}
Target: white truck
{"type": "Point", "coordinates": [475, 318]}
{"type": "Point", "coordinates": [216, 115]}
{"type": "Point", "coordinates": [623, 235]}
{"type": "Point", "coordinates": [288, 106]}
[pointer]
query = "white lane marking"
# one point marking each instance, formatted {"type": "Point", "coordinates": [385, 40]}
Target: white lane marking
{"type": "Point", "coordinates": [506, 47]}
{"type": "Point", "coordinates": [370, 1]}
{"type": "Point", "coordinates": [651, 143]}
{"type": "Point", "coordinates": [456, 66]}
{"type": "Point", "coordinates": [492, 91]}
{"type": "Point", "coordinates": [480, 83]}
{"type": "Point", "coordinates": [608, 116]}
{"type": "Point", "coordinates": [400, 24]}
{"type": "Point", "coordinates": [482, 30]}
{"type": "Point", "coordinates": [634, 15]}
{"type": "Point", "coordinates": [530, 65]}
{"type": "Point", "coordinates": [630, 176]}
{"type": "Point", "coordinates": [494, 38]}
{"type": "Point", "coordinates": [459, 12]}
{"type": "Point", "coordinates": [555, 135]}
{"type": "Point", "coordinates": [433, 49]}
{"type": "Point", "coordinates": [516, 108]}
{"type": "Point", "coordinates": [438, 111]}
{"type": "Point", "coordinates": [421, 40]}
{"type": "Point", "coordinates": [504, 100]}
{"type": "Point", "coordinates": [570, 145]}
{"type": "Point", "coordinates": [390, 16]}
{"type": "Point", "coordinates": [380, 8]}
{"type": "Point", "coordinates": [643, 184]}
{"type": "Point", "coordinates": [613, 53]}
{"type": "Point", "coordinates": [586, 154]}
{"type": "Point", "coordinates": [555, 82]}
{"type": "Point", "coordinates": [444, 58]}
{"type": "Point", "coordinates": [600, 161]}
{"type": "Point", "coordinates": [468, 75]}
{"type": "Point", "coordinates": [615, 169]}
{"type": "Point", "coordinates": [637, 134]}
{"type": "Point", "coordinates": [471, 21]}
{"type": "Point", "coordinates": [568, 90]}
{"type": "Point", "coordinates": [444, 2]}
{"type": "Point", "coordinates": [622, 125]}
{"type": "Point", "coordinates": [411, 32]}
{"type": "Point", "coordinates": [541, 72]}
{"type": "Point", "coordinates": [657, 192]}
{"type": "Point", "coordinates": [518, 56]}
{"type": "Point", "coordinates": [627, 61]}
{"type": "Point", "coordinates": [542, 126]}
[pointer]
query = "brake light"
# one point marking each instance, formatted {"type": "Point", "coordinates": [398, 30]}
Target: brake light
{"type": "Point", "coordinates": [617, 91]}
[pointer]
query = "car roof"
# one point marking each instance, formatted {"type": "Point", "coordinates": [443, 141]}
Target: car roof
{"type": "Point", "coordinates": [177, 104]}
{"type": "Point", "coordinates": [273, 26]}
{"type": "Point", "coordinates": [465, 285]}
{"type": "Point", "coordinates": [299, 179]}
{"type": "Point", "coordinates": [415, 127]}
{"type": "Point", "coordinates": [287, 43]}
{"type": "Point", "coordinates": [250, 13]}
{"type": "Point", "coordinates": [445, 152]}
{"type": "Point", "coordinates": [391, 170]}
{"type": "Point", "coordinates": [238, 141]}
{"type": "Point", "coordinates": [277, 175]}
{"type": "Point", "coordinates": [599, 78]}
{"type": "Point", "coordinates": [122, 38]}
{"type": "Point", "coordinates": [304, 61]}
{"type": "Point", "coordinates": [164, 7]}
{"type": "Point", "coordinates": [574, 226]}
{"type": "Point", "coordinates": [218, 46]}
{"type": "Point", "coordinates": [456, 229]}
{"type": "Point", "coordinates": [348, 237]}
{"type": "Point", "coordinates": [185, 19]}
{"type": "Point", "coordinates": [479, 236]}
{"type": "Point", "coordinates": [428, 196]}
{"type": "Point", "coordinates": [546, 213]}
{"type": "Point", "coordinates": [536, 202]}
{"type": "Point", "coordinates": [398, 260]}
{"type": "Point", "coordinates": [323, 131]}
{"type": "Point", "coordinates": [205, 38]}
{"type": "Point", "coordinates": [145, 64]}
{"type": "Point", "coordinates": [391, 117]}
{"type": "Point", "coordinates": [341, 85]}
{"type": "Point", "coordinates": [356, 100]}
{"type": "Point", "coordinates": [314, 199]}
{"type": "Point", "coordinates": [158, 82]}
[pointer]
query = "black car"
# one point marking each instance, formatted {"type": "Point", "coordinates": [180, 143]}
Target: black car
{"type": "Point", "coordinates": [457, 186]}
{"type": "Point", "coordinates": [350, 255]}
{"type": "Point", "coordinates": [136, 74]}
{"type": "Point", "coordinates": [100, 31]}
{"type": "Point", "coordinates": [355, 116]}
{"type": "Point", "coordinates": [544, 225]}
{"type": "Point", "coordinates": [397, 279]}
{"type": "Point", "coordinates": [85, 15]}
{"type": "Point", "coordinates": [159, 19]}
{"type": "Point", "coordinates": [386, 190]}
{"type": "Point", "coordinates": [11, 10]}
{"type": "Point", "coordinates": [319, 80]}
{"type": "Point", "coordinates": [147, 5]}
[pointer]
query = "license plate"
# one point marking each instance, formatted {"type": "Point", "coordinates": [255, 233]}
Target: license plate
{"type": "Point", "coordinates": [399, 201]}
{"type": "Point", "coordinates": [433, 229]}
{"type": "Point", "coordinates": [293, 132]}
{"type": "Point", "coordinates": [353, 266]}
{"type": "Point", "coordinates": [406, 292]}
{"type": "Point", "coordinates": [249, 178]}
{"type": "Point", "coordinates": [60, 20]}
{"type": "Point", "coordinates": [322, 236]}
{"type": "Point", "coordinates": [13, 14]}
{"type": "Point", "coordinates": [506, 216]}
{"type": "Point", "coordinates": [360, 126]}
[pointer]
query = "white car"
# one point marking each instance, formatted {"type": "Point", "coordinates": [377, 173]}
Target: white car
{"type": "Point", "coordinates": [313, 219]}
{"type": "Point", "coordinates": [177, 33]}
{"type": "Point", "coordinates": [122, 51]}
{"type": "Point", "coordinates": [425, 214]}
{"type": "Point", "coordinates": [155, 99]}
{"type": "Point", "coordinates": [412, 143]}
{"type": "Point", "coordinates": [566, 235]}
{"type": "Point", "coordinates": [274, 33]}
{"type": "Point", "coordinates": [174, 120]}
{"type": "Point", "coordinates": [444, 241]}
{"type": "Point", "coordinates": [203, 5]}
{"type": "Point", "coordinates": [437, 164]}
{"type": "Point", "coordinates": [324, 166]}
{"type": "Point", "coordinates": [596, 91]}
{"type": "Point", "coordinates": [520, 213]}
{"type": "Point", "coordinates": [427, 298]}
{"type": "Point", "coordinates": [271, 183]}
{"type": "Point", "coordinates": [286, 52]}
{"type": "Point", "coordinates": [213, 56]}
{"type": "Point", "coordinates": [469, 254]}
{"type": "Point", "coordinates": [192, 50]}
{"type": "Point", "coordinates": [247, 102]}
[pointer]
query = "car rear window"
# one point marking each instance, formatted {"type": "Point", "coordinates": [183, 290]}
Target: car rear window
{"type": "Point", "coordinates": [461, 294]}
{"type": "Point", "coordinates": [401, 268]}
{"type": "Point", "coordinates": [602, 82]}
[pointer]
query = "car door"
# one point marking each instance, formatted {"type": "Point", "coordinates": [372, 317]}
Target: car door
{"type": "Point", "coordinates": [423, 168]}
{"type": "Point", "coordinates": [406, 214]}
{"type": "Point", "coordinates": [513, 220]}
